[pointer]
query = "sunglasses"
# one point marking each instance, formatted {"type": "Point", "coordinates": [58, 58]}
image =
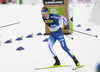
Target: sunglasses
{"type": "Point", "coordinates": [43, 13]}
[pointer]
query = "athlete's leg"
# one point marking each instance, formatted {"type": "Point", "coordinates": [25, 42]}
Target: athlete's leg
{"type": "Point", "coordinates": [64, 46]}
{"type": "Point", "coordinates": [51, 42]}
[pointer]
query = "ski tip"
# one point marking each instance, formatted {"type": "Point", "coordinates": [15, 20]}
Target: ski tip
{"type": "Point", "coordinates": [36, 68]}
{"type": "Point", "coordinates": [77, 67]}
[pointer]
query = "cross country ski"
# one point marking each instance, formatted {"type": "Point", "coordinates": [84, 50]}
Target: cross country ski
{"type": "Point", "coordinates": [52, 67]}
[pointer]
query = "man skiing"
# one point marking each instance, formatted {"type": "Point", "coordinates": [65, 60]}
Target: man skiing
{"type": "Point", "coordinates": [52, 21]}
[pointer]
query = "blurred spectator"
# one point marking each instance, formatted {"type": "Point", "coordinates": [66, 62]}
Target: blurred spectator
{"type": "Point", "coordinates": [9, 0]}
{"type": "Point", "coordinates": [20, 1]}
{"type": "Point", "coordinates": [98, 67]}
{"type": "Point", "coordinates": [3, 1]}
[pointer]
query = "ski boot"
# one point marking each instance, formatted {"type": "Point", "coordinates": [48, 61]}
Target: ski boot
{"type": "Point", "coordinates": [57, 62]}
{"type": "Point", "coordinates": [76, 61]}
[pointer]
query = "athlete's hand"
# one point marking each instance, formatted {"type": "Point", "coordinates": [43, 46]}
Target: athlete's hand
{"type": "Point", "coordinates": [66, 27]}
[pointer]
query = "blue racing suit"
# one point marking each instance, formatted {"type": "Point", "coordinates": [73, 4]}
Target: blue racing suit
{"type": "Point", "coordinates": [56, 33]}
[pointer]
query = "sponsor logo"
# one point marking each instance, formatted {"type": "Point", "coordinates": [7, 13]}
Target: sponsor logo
{"type": "Point", "coordinates": [59, 17]}
{"type": "Point", "coordinates": [53, 2]}
{"type": "Point", "coordinates": [51, 16]}
{"type": "Point", "coordinates": [61, 39]}
{"type": "Point", "coordinates": [63, 43]}
{"type": "Point", "coordinates": [48, 21]}
{"type": "Point", "coordinates": [60, 36]}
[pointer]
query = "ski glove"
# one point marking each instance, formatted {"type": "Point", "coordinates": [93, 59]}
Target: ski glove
{"type": "Point", "coordinates": [66, 27]}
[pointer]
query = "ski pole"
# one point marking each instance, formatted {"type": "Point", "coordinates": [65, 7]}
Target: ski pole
{"type": "Point", "coordinates": [10, 25]}
{"type": "Point", "coordinates": [84, 33]}
{"type": "Point", "coordinates": [70, 37]}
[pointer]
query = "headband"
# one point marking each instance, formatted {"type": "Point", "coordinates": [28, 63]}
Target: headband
{"type": "Point", "coordinates": [44, 10]}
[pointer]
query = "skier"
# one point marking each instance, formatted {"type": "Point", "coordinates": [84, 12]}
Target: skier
{"type": "Point", "coordinates": [52, 21]}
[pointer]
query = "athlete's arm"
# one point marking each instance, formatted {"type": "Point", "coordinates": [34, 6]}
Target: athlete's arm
{"type": "Point", "coordinates": [65, 20]}
{"type": "Point", "coordinates": [58, 17]}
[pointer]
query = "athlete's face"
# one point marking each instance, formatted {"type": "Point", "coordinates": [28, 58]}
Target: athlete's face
{"type": "Point", "coordinates": [44, 14]}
